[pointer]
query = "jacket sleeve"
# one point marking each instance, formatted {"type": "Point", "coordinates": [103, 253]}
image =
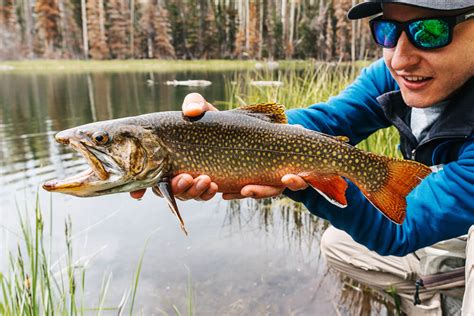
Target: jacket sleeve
{"type": "Point", "coordinates": [440, 208]}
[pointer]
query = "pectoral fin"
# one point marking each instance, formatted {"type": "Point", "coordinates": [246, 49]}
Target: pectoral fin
{"type": "Point", "coordinates": [332, 187]}
{"type": "Point", "coordinates": [165, 190]}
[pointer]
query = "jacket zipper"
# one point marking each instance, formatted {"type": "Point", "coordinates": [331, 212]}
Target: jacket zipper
{"type": "Point", "coordinates": [413, 152]}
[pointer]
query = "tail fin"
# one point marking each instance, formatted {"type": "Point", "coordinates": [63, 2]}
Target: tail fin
{"type": "Point", "coordinates": [403, 177]}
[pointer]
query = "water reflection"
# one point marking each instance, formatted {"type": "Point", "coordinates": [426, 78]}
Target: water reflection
{"type": "Point", "coordinates": [299, 230]}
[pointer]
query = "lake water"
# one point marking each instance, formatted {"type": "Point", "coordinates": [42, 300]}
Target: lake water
{"type": "Point", "coordinates": [243, 258]}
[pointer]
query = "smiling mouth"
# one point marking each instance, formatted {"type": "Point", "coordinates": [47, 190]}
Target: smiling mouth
{"type": "Point", "coordinates": [416, 79]}
{"type": "Point", "coordinates": [96, 172]}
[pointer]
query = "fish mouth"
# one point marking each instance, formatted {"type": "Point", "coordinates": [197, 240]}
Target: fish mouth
{"type": "Point", "coordinates": [101, 166]}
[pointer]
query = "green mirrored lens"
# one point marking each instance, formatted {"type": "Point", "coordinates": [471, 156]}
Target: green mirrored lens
{"type": "Point", "coordinates": [430, 33]}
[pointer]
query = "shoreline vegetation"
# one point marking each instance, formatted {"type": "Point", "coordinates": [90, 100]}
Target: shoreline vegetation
{"type": "Point", "coordinates": [155, 65]}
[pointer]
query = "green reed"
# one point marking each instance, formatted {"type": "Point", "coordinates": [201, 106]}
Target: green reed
{"type": "Point", "coordinates": [34, 283]}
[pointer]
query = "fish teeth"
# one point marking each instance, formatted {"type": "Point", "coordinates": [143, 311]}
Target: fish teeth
{"type": "Point", "coordinates": [415, 78]}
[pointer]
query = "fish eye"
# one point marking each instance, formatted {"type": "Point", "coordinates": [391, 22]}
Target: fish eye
{"type": "Point", "coordinates": [100, 138]}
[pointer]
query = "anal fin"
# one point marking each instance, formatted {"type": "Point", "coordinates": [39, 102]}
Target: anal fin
{"type": "Point", "coordinates": [332, 187]}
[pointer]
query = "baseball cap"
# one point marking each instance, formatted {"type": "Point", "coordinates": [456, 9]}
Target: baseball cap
{"type": "Point", "coordinates": [371, 7]}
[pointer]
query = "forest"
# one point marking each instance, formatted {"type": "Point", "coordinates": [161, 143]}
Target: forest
{"type": "Point", "coordinates": [179, 29]}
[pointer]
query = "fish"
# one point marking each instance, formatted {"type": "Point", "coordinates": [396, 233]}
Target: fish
{"type": "Point", "coordinates": [252, 144]}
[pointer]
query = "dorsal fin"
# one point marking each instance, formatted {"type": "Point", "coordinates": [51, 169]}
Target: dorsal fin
{"type": "Point", "coordinates": [270, 111]}
{"type": "Point", "coordinates": [343, 139]}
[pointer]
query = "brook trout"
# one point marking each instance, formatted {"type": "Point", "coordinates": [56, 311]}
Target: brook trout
{"type": "Point", "coordinates": [249, 145]}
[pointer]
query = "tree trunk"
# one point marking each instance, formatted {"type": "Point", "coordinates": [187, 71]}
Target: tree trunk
{"type": "Point", "coordinates": [260, 35]}
{"type": "Point", "coordinates": [132, 28]}
{"type": "Point", "coordinates": [28, 26]}
{"type": "Point", "coordinates": [353, 37]}
{"type": "Point", "coordinates": [85, 37]}
{"type": "Point", "coordinates": [102, 18]}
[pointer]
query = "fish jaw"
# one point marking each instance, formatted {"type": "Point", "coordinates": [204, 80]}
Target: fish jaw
{"type": "Point", "coordinates": [89, 182]}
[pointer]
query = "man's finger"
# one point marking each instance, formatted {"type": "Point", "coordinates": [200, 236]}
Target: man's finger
{"type": "Point", "coordinates": [261, 191]}
{"type": "Point", "coordinates": [194, 104]}
{"type": "Point", "coordinates": [294, 182]}
{"type": "Point", "coordinates": [210, 193]}
{"type": "Point", "coordinates": [181, 183]}
{"type": "Point", "coordinates": [138, 194]}
{"type": "Point", "coordinates": [200, 185]}
{"type": "Point", "coordinates": [232, 196]}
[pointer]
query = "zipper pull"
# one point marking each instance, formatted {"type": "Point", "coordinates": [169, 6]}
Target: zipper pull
{"type": "Point", "coordinates": [413, 153]}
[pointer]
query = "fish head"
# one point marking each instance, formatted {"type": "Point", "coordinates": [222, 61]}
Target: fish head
{"type": "Point", "coordinates": [123, 156]}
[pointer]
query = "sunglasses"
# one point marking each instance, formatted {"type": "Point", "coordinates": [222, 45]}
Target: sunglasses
{"type": "Point", "coordinates": [427, 33]}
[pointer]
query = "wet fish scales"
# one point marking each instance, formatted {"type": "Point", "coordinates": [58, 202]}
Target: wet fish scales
{"type": "Point", "coordinates": [239, 151]}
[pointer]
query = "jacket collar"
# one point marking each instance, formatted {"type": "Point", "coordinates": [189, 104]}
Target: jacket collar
{"type": "Point", "coordinates": [457, 119]}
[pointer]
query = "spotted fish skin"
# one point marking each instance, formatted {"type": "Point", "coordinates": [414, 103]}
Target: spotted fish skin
{"type": "Point", "coordinates": [249, 145]}
{"type": "Point", "coordinates": [236, 149]}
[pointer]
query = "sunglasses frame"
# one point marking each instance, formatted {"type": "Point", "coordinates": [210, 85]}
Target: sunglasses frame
{"type": "Point", "coordinates": [451, 21]}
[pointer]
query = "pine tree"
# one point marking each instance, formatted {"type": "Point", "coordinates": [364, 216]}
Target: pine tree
{"type": "Point", "coordinates": [306, 43]}
{"type": "Point", "coordinates": [163, 40]}
{"type": "Point", "coordinates": [319, 24]}
{"type": "Point", "coordinates": [192, 30]}
{"type": "Point", "coordinates": [96, 29]}
{"type": "Point", "coordinates": [177, 24]}
{"type": "Point", "coordinates": [231, 26]}
{"type": "Point", "coordinates": [278, 46]}
{"type": "Point", "coordinates": [145, 33]}
{"type": "Point", "coordinates": [47, 28]}
{"type": "Point", "coordinates": [329, 54]}
{"type": "Point", "coordinates": [343, 29]}
{"type": "Point", "coordinates": [70, 31]}
{"type": "Point", "coordinates": [210, 40]}
{"type": "Point", "coordinates": [10, 41]}
{"type": "Point", "coordinates": [253, 30]}
{"type": "Point", "coordinates": [154, 36]}
{"type": "Point", "coordinates": [118, 26]}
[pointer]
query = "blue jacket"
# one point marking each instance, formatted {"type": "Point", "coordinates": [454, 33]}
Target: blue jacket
{"type": "Point", "coordinates": [440, 208]}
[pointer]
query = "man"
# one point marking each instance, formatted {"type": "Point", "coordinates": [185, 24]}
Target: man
{"type": "Point", "coordinates": [424, 86]}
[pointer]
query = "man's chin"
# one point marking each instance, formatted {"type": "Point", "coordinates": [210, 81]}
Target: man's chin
{"type": "Point", "coordinates": [420, 100]}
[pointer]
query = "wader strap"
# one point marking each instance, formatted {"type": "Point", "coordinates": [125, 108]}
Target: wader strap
{"type": "Point", "coordinates": [439, 281]}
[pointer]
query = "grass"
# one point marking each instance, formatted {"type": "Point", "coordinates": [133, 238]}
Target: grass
{"type": "Point", "coordinates": [139, 65]}
{"type": "Point", "coordinates": [50, 66]}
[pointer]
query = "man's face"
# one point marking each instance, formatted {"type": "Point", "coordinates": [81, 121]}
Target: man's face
{"type": "Point", "coordinates": [442, 70]}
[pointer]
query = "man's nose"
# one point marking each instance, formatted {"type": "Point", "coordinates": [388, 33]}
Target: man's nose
{"type": "Point", "coordinates": [405, 54]}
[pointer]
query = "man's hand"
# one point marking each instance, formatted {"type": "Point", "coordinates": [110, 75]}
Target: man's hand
{"type": "Point", "coordinates": [290, 181]}
{"type": "Point", "coordinates": [185, 187]}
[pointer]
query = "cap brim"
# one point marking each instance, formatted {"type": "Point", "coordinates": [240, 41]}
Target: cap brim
{"type": "Point", "coordinates": [363, 10]}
